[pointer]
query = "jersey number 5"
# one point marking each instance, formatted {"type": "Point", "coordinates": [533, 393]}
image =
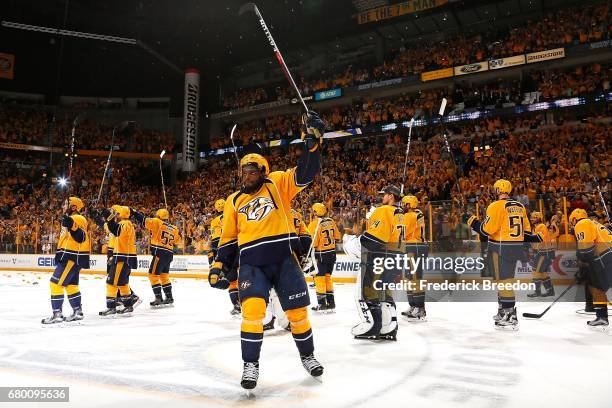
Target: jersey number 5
{"type": "Point", "coordinates": [516, 224]}
{"type": "Point", "coordinates": [167, 238]}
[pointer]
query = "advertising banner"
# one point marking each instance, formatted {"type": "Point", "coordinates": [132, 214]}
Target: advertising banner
{"type": "Point", "coordinates": [545, 55]}
{"type": "Point", "coordinates": [437, 74]}
{"type": "Point", "coordinates": [471, 68]}
{"type": "Point", "coordinates": [507, 62]}
{"type": "Point", "coordinates": [191, 119]}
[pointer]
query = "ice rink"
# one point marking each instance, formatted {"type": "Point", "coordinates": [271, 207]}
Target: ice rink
{"type": "Point", "coordinates": [189, 355]}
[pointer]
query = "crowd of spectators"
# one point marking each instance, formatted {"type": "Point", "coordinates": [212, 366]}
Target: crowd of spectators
{"type": "Point", "coordinates": [543, 161]}
{"type": "Point", "coordinates": [538, 86]}
{"type": "Point", "coordinates": [574, 25]}
{"type": "Point", "coordinates": [34, 125]}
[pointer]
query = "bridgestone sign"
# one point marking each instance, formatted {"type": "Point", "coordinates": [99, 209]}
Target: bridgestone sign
{"type": "Point", "coordinates": [191, 114]}
{"type": "Point", "coordinates": [545, 55]}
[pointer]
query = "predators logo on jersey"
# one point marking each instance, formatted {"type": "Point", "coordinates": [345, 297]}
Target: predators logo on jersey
{"type": "Point", "coordinates": [257, 209]}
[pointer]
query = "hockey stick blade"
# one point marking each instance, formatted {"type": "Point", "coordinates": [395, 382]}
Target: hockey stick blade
{"type": "Point", "coordinates": [247, 7]}
{"type": "Point", "coordinates": [537, 316]}
{"type": "Point", "coordinates": [533, 315]}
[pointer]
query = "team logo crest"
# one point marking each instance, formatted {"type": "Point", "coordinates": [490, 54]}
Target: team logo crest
{"type": "Point", "coordinates": [244, 285]}
{"type": "Point", "coordinates": [257, 209]}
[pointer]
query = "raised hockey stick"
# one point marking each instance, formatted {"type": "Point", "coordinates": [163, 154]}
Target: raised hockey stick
{"type": "Point", "coordinates": [161, 173]}
{"type": "Point", "coordinates": [121, 126]}
{"type": "Point", "coordinates": [601, 197]}
{"type": "Point", "coordinates": [279, 57]}
{"type": "Point", "coordinates": [450, 152]}
{"type": "Point", "coordinates": [407, 153]}
{"type": "Point", "coordinates": [538, 315]}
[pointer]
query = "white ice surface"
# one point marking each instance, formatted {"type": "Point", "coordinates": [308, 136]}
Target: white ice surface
{"type": "Point", "coordinates": [189, 355]}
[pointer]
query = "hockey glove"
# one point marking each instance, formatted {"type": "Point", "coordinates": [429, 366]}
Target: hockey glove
{"type": "Point", "coordinates": [315, 126]}
{"type": "Point", "coordinates": [67, 221]}
{"type": "Point", "coordinates": [93, 213]}
{"type": "Point", "coordinates": [580, 275]}
{"type": "Point", "coordinates": [216, 277]}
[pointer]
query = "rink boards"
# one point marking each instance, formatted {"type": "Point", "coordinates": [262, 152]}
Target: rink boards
{"type": "Point", "coordinates": [196, 266]}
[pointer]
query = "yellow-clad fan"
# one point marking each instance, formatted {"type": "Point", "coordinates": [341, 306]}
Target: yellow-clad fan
{"type": "Point", "coordinates": [382, 239]}
{"type": "Point", "coordinates": [507, 228]}
{"type": "Point", "coordinates": [258, 228]}
{"type": "Point", "coordinates": [594, 242]}
{"type": "Point", "coordinates": [71, 256]}
{"type": "Point", "coordinates": [216, 228]}
{"type": "Point", "coordinates": [544, 255]}
{"type": "Point", "coordinates": [117, 220]}
{"type": "Point", "coordinates": [164, 236]}
{"type": "Point", "coordinates": [417, 248]}
{"type": "Point", "coordinates": [325, 235]}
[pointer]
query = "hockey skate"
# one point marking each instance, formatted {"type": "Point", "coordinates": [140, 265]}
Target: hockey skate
{"type": "Point", "coordinates": [548, 293]}
{"type": "Point", "coordinates": [157, 303]}
{"type": "Point", "coordinates": [56, 318]}
{"type": "Point", "coordinates": [322, 308]}
{"type": "Point", "coordinates": [169, 301]}
{"type": "Point", "coordinates": [119, 304]}
{"type": "Point", "coordinates": [270, 324]}
{"type": "Point", "coordinates": [601, 319]}
{"type": "Point", "coordinates": [331, 303]}
{"type": "Point", "coordinates": [600, 323]}
{"type": "Point", "coordinates": [126, 311]}
{"type": "Point", "coordinates": [250, 374]}
{"type": "Point", "coordinates": [311, 365]}
{"type": "Point", "coordinates": [535, 294]}
{"type": "Point", "coordinates": [110, 312]}
{"type": "Point", "coordinates": [392, 336]}
{"type": "Point", "coordinates": [508, 321]}
{"type": "Point", "coordinates": [236, 311]}
{"type": "Point", "coordinates": [135, 300]}
{"type": "Point", "coordinates": [416, 314]}
{"type": "Point", "coordinates": [499, 315]}
{"type": "Point", "coordinates": [76, 315]}
{"type": "Point", "coordinates": [408, 312]}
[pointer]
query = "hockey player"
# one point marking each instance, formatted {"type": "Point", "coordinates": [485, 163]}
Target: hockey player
{"type": "Point", "coordinates": [417, 248]}
{"type": "Point", "coordinates": [595, 249]}
{"type": "Point", "coordinates": [383, 238]}
{"type": "Point", "coordinates": [257, 226]}
{"type": "Point", "coordinates": [71, 256]}
{"type": "Point", "coordinates": [216, 227]}
{"type": "Point", "coordinates": [325, 234]}
{"type": "Point", "coordinates": [507, 228]}
{"type": "Point", "coordinates": [303, 235]}
{"type": "Point", "coordinates": [110, 246]}
{"type": "Point", "coordinates": [544, 255]}
{"type": "Point", "coordinates": [163, 237]}
{"type": "Point", "coordinates": [124, 259]}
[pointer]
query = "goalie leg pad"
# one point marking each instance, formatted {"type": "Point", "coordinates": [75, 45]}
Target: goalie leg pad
{"type": "Point", "coordinates": [371, 320]}
{"type": "Point", "coordinates": [389, 317]}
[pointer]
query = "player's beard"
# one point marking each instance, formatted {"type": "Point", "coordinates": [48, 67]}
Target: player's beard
{"type": "Point", "coordinates": [254, 188]}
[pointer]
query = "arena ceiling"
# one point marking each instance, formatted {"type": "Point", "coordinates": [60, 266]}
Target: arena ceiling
{"type": "Point", "coordinates": [205, 34]}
